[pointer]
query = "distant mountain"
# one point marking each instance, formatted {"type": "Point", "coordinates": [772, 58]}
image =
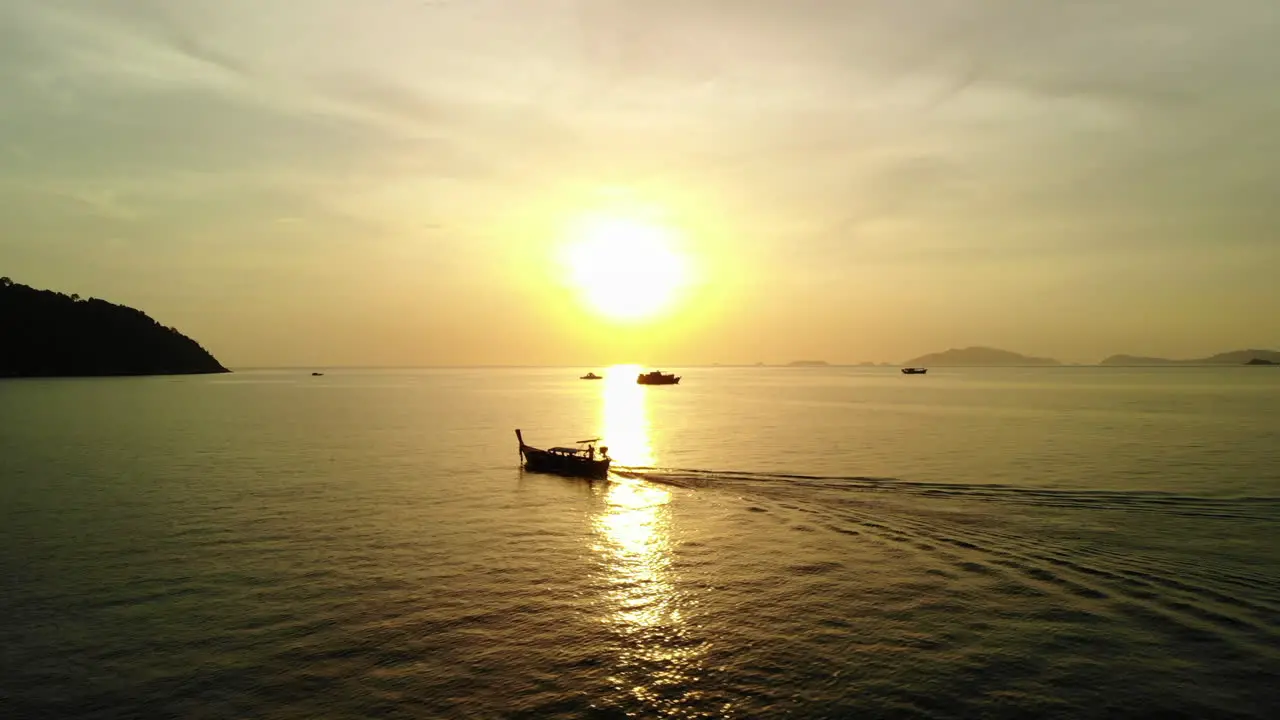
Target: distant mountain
{"type": "Point", "coordinates": [1241, 357]}
{"type": "Point", "coordinates": [49, 334]}
{"type": "Point", "coordinates": [978, 357]}
{"type": "Point", "coordinates": [1136, 360]}
{"type": "Point", "coordinates": [1234, 357]}
{"type": "Point", "coordinates": [808, 363]}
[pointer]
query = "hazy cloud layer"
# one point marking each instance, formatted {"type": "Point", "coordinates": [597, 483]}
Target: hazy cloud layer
{"type": "Point", "coordinates": [1068, 178]}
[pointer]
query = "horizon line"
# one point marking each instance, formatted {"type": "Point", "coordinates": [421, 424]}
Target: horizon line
{"type": "Point", "coordinates": [785, 366]}
{"type": "Point", "coordinates": [1159, 361]}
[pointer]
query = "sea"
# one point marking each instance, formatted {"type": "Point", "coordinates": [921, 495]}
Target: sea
{"type": "Point", "coordinates": [1071, 542]}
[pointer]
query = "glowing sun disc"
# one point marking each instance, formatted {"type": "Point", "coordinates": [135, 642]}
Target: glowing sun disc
{"type": "Point", "coordinates": [625, 269]}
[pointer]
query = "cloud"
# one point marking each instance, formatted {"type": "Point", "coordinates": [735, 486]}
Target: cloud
{"type": "Point", "coordinates": [974, 134]}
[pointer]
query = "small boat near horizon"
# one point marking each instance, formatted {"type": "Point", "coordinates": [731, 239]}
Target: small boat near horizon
{"type": "Point", "coordinates": [914, 371]}
{"type": "Point", "coordinates": [657, 378]}
{"type": "Point", "coordinates": [591, 376]}
{"type": "Point", "coordinates": [568, 461]}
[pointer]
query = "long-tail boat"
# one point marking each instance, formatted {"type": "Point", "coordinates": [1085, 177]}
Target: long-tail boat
{"type": "Point", "coordinates": [581, 461]}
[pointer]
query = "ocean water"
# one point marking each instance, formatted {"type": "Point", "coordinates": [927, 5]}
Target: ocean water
{"type": "Point", "coordinates": [826, 542]}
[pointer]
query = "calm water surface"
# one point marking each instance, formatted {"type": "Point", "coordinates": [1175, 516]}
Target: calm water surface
{"type": "Point", "coordinates": [1074, 542]}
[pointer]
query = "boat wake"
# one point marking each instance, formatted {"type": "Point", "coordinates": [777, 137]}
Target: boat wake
{"type": "Point", "coordinates": [1079, 548]}
{"type": "Point", "coordinates": [1247, 508]}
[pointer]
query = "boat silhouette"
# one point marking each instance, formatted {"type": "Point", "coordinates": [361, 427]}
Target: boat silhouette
{"type": "Point", "coordinates": [657, 378]}
{"type": "Point", "coordinates": [569, 461]}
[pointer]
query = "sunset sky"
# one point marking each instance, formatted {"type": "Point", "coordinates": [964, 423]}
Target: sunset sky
{"type": "Point", "coordinates": [405, 182]}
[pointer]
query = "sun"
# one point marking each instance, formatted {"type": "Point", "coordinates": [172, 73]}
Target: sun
{"type": "Point", "coordinates": [625, 268]}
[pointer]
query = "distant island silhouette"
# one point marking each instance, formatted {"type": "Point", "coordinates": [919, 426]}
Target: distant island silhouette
{"type": "Point", "coordinates": [1234, 357]}
{"type": "Point", "coordinates": [51, 334]}
{"type": "Point", "coordinates": [978, 357]}
{"type": "Point", "coordinates": [808, 363]}
{"type": "Point", "coordinates": [992, 357]}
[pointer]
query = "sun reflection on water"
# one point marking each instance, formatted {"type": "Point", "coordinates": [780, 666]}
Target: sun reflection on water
{"type": "Point", "coordinates": [658, 655]}
{"type": "Point", "coordinates": [625, 418]}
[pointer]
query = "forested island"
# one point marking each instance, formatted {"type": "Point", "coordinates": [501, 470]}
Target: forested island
{"type": "Point", "coordinates": [51, 334]}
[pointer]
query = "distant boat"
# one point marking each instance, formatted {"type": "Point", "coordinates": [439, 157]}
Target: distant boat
{"type": "Point", "coordinates": [657, 378]}
{"type": "Point", "coordinates": [571, 461]}
{"type": "Point", "coordinates": [914, 371]}
{"type": "Point", "coordinates": [316, 374]}
{"type": "Point", "coordinates": [591, 376]}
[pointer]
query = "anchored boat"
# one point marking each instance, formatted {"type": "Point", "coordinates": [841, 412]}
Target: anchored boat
{"type": "Point", "coordinates": [578, 461]}
{"type": "Point", "coordinates": [914, 371]}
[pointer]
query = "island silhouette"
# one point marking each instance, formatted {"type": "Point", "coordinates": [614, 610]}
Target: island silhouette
{"type": "Point", "coordinates": [44, 333]}
{"type": "Point", "coordinates": [51, 334]}
{"type": "Point", "coordinates": [992, 357]}
{"type": "Point", "coordinates": [978, 357]}
{"type": "Point", "coordinates": [1234, 357]}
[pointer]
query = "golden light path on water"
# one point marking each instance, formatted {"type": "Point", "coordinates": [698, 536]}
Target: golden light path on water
{"type": "Point", "coordinates": [658, 662]}
{"type": "Point", "coordinates": [625, 417]}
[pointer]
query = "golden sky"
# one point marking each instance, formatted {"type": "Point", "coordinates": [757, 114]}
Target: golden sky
{"type": "Point", "coordinates": [418, 182]}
